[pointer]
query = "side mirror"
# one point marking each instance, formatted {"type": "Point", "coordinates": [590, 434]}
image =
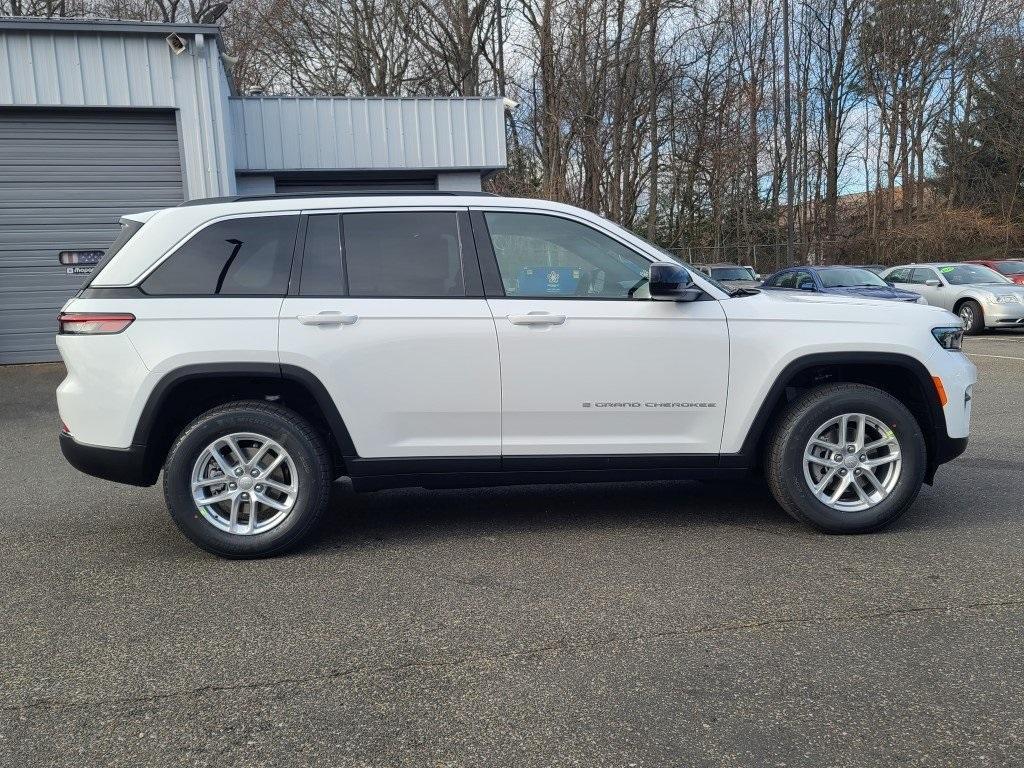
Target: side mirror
{"type": "Point", "coordinates": [933, 283]}
{"type": "Point", "coordinates": [671, 282]}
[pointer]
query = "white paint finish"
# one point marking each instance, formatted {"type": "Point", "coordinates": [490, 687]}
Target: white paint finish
{"type": "Point", "coordinates": [410, 377]}
{"type": "Point", "coordinates": [168, 333]}
{"type": "Point", "coordinates": [651, 353]}
{"type": "Point", "coordinates": [770, 330]}
{"type": "Point", "coordinates": [105, 375]}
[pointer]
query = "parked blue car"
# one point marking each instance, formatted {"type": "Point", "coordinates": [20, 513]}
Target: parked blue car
{"type": "Point", "coordinates": [842, 281]}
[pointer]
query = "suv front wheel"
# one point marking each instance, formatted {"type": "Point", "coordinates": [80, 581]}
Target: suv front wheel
{"type": "Point", "coordinates": [846, 458]}
{"type": "Point", "coordinates": [248, 479]}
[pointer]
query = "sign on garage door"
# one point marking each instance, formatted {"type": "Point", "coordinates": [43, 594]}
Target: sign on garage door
{"type": "Point", "coordinates": [66, 177]}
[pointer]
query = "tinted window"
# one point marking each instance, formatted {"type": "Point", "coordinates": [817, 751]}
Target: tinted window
{"type": "Point", "coordinates": [237, 257]}
{"type": "Point", "coordinates": [322, 271]}
{"type": "Point", "coordinates": [542, 255]}
{"type": "Point", "coordinates": [414, 254]}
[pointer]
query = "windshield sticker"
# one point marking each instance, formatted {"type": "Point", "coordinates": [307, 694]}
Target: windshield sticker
{"type": "Point", "coordinates": [946, 269]}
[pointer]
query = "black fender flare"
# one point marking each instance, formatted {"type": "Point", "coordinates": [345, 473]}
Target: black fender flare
{"type": "Point", "coordinates": [158, 396]}
{"type": "Point", "coordinates": [935, 433]}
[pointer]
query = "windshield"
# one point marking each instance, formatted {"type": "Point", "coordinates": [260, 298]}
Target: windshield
{"type": "Point", "coordinates": [1010, 267]}
{"type": "Point", "coordinates": [730, 273]}
{"type": "Point", "coordinates": [969, 274]}
{"type": "Point", "coordinates": [850, 277]}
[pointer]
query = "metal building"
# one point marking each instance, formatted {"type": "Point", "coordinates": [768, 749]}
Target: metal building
{"type": "Point", "coordinates": [101, 118]}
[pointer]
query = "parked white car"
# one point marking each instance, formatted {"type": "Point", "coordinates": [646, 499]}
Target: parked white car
{"type": "Point", "coordinates": [981, 297]}
{"type": "Point", "coordinates": [256, 349]}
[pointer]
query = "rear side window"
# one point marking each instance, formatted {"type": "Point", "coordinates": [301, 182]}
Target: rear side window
{"type": "Point", "coordinates": [403, 254]}
{"type": "Point", "coordinates": [249, 256]}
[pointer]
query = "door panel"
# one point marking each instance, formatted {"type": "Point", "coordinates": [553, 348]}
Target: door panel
{"type": "Point", "coordinates": [612, 377]}
{"type": "Point", "coordinates": [410, 377]}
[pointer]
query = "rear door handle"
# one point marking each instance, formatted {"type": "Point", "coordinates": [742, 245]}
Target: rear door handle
{"type": "Point", "coordinates": [536, 318]}
{"type": "Point", "coordinates": [327, 318]}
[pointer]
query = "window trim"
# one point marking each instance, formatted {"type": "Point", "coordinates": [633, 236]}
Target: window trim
{"type": "Point", "coordinates": [494, 288]}
{"type": "Point", "coordinates": [471, 278]}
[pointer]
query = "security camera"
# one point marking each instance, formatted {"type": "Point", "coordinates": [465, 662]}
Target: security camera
{"type": "Point", "coordinates": [510, 104]}
{"type": "Point", "coordinates": [176, 43]}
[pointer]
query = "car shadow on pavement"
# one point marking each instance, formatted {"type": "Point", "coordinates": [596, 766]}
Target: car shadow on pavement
{"type": "Point", "coordinates": [418, 514]}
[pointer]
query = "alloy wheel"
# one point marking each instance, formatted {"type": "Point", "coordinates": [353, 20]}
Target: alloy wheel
{"type": "Point", "coordinates": [852, 462]}
{"type": "Point", "coordinates": [244, 483]}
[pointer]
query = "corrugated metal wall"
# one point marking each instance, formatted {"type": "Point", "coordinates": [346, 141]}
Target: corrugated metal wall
{"type": "Point", "coordinates": [75, 67]}
{"type": "Point", "coordinates": [66, 177]}
{"type": "Point", "coordinates": [289, 134]}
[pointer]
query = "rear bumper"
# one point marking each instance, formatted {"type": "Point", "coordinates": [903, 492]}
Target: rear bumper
{"type": "Point", "coordinates": [121, 465]}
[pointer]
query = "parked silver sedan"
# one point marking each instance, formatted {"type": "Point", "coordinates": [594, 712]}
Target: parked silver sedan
{"type": "Point", "coordinates": [982, 297]}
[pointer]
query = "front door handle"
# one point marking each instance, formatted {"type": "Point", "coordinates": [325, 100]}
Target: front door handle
{"type": "Point", "coordinates": [327, 318]}
{"type": "Point", "coordinates": [536, 318]}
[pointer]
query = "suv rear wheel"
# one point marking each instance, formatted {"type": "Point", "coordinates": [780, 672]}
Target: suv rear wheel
{"type": "Point", "coordinates": [248, 479]}
{"type": "Point", "coordinates": [846, 458]}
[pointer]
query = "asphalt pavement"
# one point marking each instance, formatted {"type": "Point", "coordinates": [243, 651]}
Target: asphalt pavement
{"type": "Point", "coordinates": [649, 624]}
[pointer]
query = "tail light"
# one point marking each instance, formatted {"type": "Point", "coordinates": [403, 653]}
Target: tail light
{"type": "Point", "coordinates": [93, 323]}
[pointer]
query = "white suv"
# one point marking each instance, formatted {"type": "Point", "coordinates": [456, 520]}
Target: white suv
{"type": "Point", "coordinates": [256, 349]}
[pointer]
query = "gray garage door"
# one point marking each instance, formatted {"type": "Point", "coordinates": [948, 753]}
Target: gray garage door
{"type": "Point", "coordinates": [66, 176]}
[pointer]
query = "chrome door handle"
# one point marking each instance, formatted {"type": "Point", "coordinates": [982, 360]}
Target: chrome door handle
{"type": "Point", "coordinates": [536, 318]}
{"type": "Point", "coordinates": [327, 318]}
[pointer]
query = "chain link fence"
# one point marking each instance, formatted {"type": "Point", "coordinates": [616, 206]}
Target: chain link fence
{"type": "Point", "coordinates": [766, 258]}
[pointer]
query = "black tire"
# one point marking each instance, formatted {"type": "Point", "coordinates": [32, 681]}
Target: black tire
{"type": "Point", "coordinates": [973, 317]}
{"type": "Point", "coordinates": [784, 468]}
{"type": "Point", "coordinates": [304, 445]}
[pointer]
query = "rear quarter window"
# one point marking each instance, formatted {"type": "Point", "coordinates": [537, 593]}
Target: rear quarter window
{"type": "Point", "coordinates": [247, 256]}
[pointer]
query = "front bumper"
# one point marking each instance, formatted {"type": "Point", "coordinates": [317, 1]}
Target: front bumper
{"type": "Point", "coordinates": [121, 465]}
{"type": "Point", "coordinates": [999, 315]}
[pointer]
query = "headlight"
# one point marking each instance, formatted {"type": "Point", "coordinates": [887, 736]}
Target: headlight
{"type": "Point", "coordinates": [1005, 298]}
{"type": "Point", "coordinates": [949, 338]}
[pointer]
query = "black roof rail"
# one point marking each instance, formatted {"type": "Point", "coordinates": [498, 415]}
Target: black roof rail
{"type": "Point", "coordinates": [301, 195]}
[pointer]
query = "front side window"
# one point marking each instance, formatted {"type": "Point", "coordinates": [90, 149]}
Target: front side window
{"type": "Point", "coordinates": [802, 280]}
{"type": "Point", "coordinates": [413, 254]}
{"type": "Point", "coordinates": [247, 256]}
{"type": "Point", "coordinates": [921, 275]}
{"type": "Point", "coordinates": [548, 256]}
